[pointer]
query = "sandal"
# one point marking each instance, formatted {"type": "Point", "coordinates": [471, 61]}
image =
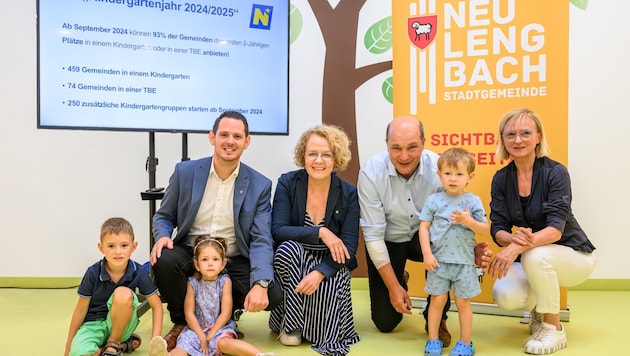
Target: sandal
{"type": "Point", "coordinates": [127, 346]}
{"type": "Point", "coordinates": [462, 349]}
{"type": "Point", "coordinates": [433, 348]}
{"type": "Point", "coordinates": [113, 345]}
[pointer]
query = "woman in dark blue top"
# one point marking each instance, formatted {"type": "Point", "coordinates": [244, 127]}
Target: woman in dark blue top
{"type": "Point", "coordinates": [544, 246]}
{"type": "Point", "coordinates": [315, 222]}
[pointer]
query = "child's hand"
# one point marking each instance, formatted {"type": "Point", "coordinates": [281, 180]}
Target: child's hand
{"type": "Point", "coordinates": [461, 217]}
{"type": "Point", "coordinates": [205, 348]}
{"type": "Point", "coordinates": [430, 263]}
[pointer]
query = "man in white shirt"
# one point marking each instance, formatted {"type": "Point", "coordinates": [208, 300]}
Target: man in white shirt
{"type": "Point", "coordinates": [393, 186]}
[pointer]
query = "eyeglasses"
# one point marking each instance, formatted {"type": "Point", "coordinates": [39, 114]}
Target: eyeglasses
{"type": "Point", "coordinates": [326, 156]}
{"type": "Point", "coordinates": [524, 135]}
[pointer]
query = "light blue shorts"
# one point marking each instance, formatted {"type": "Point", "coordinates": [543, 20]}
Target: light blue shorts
{"type": "Point", "coordinates": [463, 278]}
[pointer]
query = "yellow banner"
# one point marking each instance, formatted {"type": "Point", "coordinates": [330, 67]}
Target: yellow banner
{"type": "Point", "coordinates": [459, 66]}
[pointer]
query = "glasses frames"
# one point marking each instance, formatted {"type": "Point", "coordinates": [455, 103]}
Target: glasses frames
{"type": "Point", "coordinates": [326, 156]}
{"type": "Point", "coordinates": [511, 136]}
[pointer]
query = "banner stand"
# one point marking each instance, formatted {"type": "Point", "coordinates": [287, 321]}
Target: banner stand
{"type": "Point", "coordinates": [488, 308]}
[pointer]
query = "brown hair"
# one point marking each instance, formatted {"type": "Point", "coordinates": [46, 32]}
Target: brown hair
{"type": "Point", "coordinates": [116, 226]}
{"type": "Point", "coordinates": [452, 157]}
{"type": "Point", "coordinates": [219, 244]}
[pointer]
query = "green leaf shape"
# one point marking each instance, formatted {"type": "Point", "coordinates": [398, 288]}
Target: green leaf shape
{"type": "Point", "coordinates": [388, 89]}
{"type": "Point", "coordinates": [295, 23]}
{"type": "Point", "coordinates": [582, 4]}
{"type": "Point", "coordinates": [378, 38]}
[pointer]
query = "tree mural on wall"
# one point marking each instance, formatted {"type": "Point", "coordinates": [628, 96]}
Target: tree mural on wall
{"type": "Point", "coordinates": [341, 77]}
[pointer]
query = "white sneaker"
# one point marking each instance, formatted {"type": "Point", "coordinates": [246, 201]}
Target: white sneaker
{"type": "Point", "coordinates": [157, 347]}
{"type": "Point", "coordinates": [293, 338]}
{"type": "Point", "coordinates": [535, 321]}
{"type": "Point", "coordinates": [546, 340]}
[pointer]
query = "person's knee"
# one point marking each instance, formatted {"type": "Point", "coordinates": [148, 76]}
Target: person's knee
{"type": "Point", "coordinates": [275, 297]}
{"type": "Point", "coordinates": [386, 324]}
{"type": "Point", "coordinates": [507, 300]}
{"type": "Point", "coordinates": [122, 296]}
{"type": "Point", "coordinates": [385, 327]}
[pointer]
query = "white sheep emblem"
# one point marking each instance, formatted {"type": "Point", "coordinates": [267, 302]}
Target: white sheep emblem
{"type": "Point", "coordinates": [422, 29]}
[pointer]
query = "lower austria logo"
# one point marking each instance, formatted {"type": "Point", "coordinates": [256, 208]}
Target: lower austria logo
{"type": "Point", "coordinates": [261, 17]}
{"type": "Point", "coordinates": [422, 30]}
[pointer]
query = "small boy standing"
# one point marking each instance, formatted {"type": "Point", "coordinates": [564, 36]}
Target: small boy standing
{"type": "Point", "coordinates": [449, 221]}
{"type": "Point", "coordinates": [106, 311]}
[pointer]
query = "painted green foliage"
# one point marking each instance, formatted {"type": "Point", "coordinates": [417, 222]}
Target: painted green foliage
{"type": "Point", "coordinates": [378, 38]}
{"type": "Point", "coordinates": [580, 3]}
{"type": "Point", "coordinates": [387, 88]}
{"type": "Point", "coordinates": [296, 22]}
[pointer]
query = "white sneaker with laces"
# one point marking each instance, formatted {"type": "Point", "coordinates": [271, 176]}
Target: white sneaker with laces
{"type": "Point", "coordinates": [546, 340]}
{"type": "Point", "coordinates": [293, 338]}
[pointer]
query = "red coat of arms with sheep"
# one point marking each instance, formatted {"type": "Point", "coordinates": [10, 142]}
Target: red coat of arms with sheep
{"type": "Point", "coordinates": [422, 30]}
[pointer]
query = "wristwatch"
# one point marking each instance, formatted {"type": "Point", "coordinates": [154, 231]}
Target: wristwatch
{"type": "Point", "coordinates": [263, 282]}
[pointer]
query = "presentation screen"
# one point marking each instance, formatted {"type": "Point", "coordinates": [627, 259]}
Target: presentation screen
{"type": "Point", "coordinates": [174, 66]}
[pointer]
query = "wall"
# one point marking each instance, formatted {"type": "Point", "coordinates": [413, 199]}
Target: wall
{"type": "Point", "coordinates": [58, 186]}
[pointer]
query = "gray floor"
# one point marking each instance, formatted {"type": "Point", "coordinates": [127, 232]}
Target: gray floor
{"type": "Point", "coordinates": [35, 322]}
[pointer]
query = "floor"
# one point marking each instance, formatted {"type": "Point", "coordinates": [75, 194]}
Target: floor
{"type": "Point", "coordinates": [35, 322]}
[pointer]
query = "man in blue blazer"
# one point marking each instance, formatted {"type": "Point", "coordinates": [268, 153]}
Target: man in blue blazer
{"type": "Point", "coordinates": [221, 197]}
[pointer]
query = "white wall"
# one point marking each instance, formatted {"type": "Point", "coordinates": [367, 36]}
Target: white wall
{"type": "Point", "coordinates": [58, 186]}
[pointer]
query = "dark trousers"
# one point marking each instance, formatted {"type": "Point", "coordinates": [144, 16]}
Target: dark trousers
{"type": "Point", "coordinates": [384, 316]}
{"type": "Point", "coordinates": [173, 268]}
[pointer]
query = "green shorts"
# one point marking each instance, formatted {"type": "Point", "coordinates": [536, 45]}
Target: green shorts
{"type": "Point", "coordinates": [94, 334]}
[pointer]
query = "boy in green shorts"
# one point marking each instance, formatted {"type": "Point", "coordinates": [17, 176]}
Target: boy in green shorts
{"type": "Point", "coordinates": [106, 311]}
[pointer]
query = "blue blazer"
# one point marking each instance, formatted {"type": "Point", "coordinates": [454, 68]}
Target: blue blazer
{"type": "Point", "coordinates": [252, 211]}
{"type": "Point", "coordinates": [342, 216]}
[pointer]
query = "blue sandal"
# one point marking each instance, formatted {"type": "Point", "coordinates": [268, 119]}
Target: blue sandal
{"type": "Point", "coordinates": [433, 348]}
{"type": "Point", "coordinates": [462, 349]}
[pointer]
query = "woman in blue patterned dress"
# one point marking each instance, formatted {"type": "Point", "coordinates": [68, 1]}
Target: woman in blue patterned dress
{"type": "Point", "coordinates": [315, 222]}
{"type": "Point", "coordinates": [208, 308]}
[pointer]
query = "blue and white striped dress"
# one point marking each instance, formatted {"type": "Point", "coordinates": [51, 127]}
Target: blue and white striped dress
{"type": "Point", "coordinates": [325, 317]}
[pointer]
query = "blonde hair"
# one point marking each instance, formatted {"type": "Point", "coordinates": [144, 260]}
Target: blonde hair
{"type": "Point", "coordinates": [452, 157]}
{"type": "Point", "coordinates": [542, 149]}
{"type": "Point", "coordinates": [337, 140]}
{"type": "Point", "coordinates": [116, 226]}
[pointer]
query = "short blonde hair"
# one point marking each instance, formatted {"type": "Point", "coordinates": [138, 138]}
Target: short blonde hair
{"type": "Point", "coordinates": [452, 157]}
{"type": "Point", "coordinates": [337, 140]}
{"type": "Point", "coordinates": [542, 149]}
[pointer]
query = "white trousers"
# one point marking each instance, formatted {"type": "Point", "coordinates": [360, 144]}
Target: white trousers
{"type": "Point", "coordinates": [536, 281]}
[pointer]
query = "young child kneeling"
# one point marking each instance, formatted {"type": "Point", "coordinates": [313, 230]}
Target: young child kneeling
{"type": "Point", "coordinates": [106, 312]}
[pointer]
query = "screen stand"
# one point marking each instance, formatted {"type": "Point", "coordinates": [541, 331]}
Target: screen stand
{"type": "Point", "coordinates": [152, 195]}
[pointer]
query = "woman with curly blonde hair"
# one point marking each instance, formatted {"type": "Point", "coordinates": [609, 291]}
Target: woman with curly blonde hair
{"type": "Point", "coordinates": [315, 225]}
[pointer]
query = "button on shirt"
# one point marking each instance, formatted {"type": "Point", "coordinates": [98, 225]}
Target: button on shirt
{"type": "Point", "coordinates": [390, 204]}
{"type": "Point", "coordinates": [216, 211]}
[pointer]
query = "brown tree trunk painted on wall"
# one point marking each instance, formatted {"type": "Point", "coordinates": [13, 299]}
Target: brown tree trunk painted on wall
{"type": "Point", "coordinates": [341, 80]}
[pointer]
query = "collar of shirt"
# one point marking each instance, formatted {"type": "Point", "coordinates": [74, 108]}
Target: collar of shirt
{"type": "Point", "coordinates": [213, 172]}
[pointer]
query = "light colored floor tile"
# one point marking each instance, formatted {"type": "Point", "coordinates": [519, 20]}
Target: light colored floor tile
{"type": "Point", "coordinates": [35, 322]}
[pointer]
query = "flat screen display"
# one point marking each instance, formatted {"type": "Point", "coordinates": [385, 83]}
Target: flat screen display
{"type": "Point", "coordinates": [174, 66]}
